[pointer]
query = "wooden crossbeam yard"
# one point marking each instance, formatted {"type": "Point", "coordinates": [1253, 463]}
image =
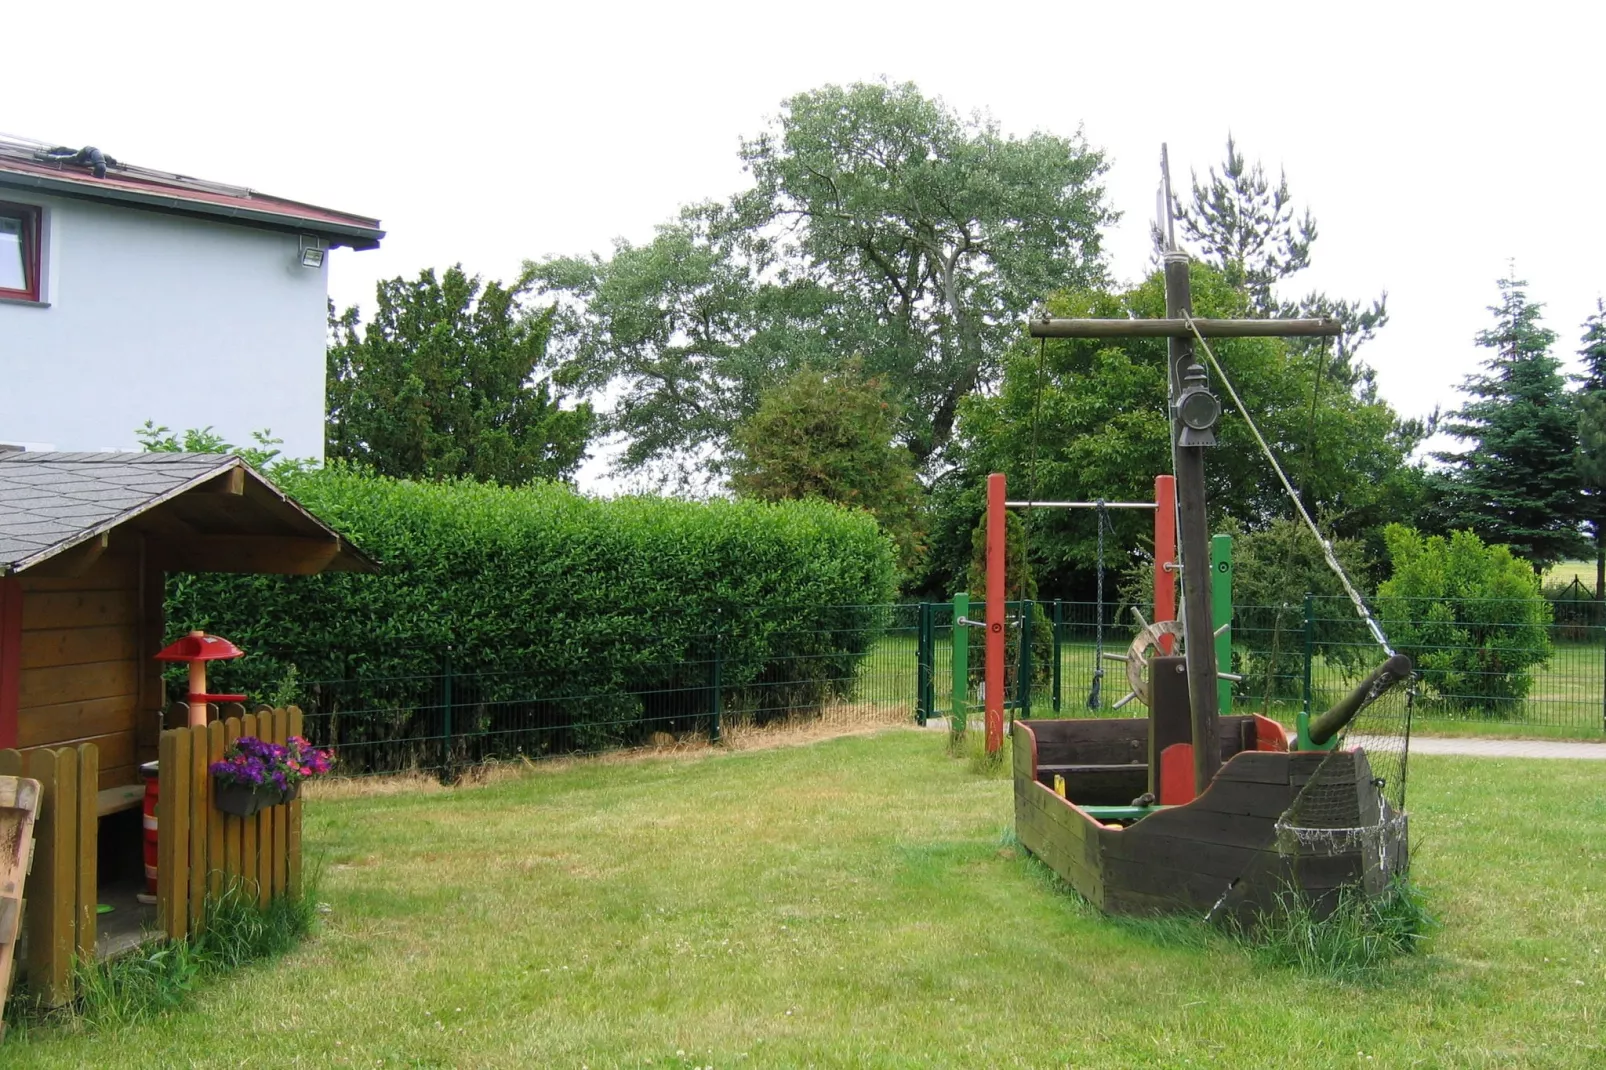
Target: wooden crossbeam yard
{"type": "Point", "coordinates": [1048, 327]}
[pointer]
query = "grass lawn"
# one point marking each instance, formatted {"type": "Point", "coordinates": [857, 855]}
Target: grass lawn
{"type": "Point", "coordinates": [852, 903]}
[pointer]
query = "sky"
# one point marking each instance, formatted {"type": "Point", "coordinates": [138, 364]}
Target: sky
{"type": "Point", "coordinates": [1435, 150]}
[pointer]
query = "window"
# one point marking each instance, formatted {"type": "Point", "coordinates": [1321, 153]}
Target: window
{"type": "Point", "coordinates": [19, 251]}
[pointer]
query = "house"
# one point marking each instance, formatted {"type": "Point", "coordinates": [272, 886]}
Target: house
{"type": "Point", "coordinates": [129, 294]}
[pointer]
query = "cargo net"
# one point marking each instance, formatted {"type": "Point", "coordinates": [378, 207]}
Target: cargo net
{"type": "Point", "coordinates": [1355, 802]}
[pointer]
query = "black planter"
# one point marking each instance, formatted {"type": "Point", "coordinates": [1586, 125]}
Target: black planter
{"type": "Point", "coordinates": [243, 800]}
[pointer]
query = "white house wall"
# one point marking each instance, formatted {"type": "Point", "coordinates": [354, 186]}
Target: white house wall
{"type": "Point", "coordinates": [160, 317]}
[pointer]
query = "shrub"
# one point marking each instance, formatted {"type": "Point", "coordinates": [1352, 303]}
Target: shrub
{"type": "Point", "coordinates": [542, 597]}
{"type": "Point", "coordinates": [1470, 616]}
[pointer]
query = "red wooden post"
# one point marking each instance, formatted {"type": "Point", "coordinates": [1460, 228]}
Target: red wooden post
{"type": "Point", "coordinates": [1165, 553]}
{"type": "Point", "coordinates": [995, 612]}
{"type": "Point", "coordinates": [10, 658]}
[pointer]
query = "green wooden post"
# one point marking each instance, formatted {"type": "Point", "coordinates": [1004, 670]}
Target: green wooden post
{"type": "Point", "coordinates": [961, 712]}
{"type": "Point", "coordinates": [1221, 606]}
{"type": "Point", "coordinates": [1059, 628]}
{"type": "Point", "coordinates": [1023, 687]}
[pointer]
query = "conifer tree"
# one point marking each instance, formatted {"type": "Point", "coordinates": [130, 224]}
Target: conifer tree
{"type": "Point", "coordinates": [1592, 437]}
{"type": "Point", "coordinates": [1516, 483]}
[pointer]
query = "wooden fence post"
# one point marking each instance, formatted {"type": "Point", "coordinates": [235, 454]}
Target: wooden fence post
{"type": "Point", "coordinates": [249, 871]}
{"type": "Point", "coordinates": [53, 887]}
{"type": "Point", "coordinates": [215, 853]}
{"type": "Point", "coordinates": [197, 801]}
{"type": "Point", "coordinates": [292, 846]}
{"type": "Point", "coordinates": [87, 833]}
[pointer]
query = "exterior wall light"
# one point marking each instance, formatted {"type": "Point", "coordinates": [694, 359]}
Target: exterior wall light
{"type": "Point", "coordinates": [312, 252]}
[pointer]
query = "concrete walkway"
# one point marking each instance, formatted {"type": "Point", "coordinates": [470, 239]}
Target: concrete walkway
{"type": "Point", "coordinates": [1470, 746]}
{"type": "Point", "coordinates": [1495, 748]}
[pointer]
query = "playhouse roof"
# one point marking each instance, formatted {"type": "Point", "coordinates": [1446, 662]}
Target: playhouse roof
{"type": "Point", "coordinates": [202, 512]}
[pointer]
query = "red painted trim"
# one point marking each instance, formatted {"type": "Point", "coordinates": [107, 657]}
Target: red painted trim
{"type": "Point", "coordinates": [1165, 552]}
{"type": "Point", "coordinates": [32, 226]}
{"type": "Point", "coordinates": [1031, 738]}
{"type": "Point", "coordinates": [10, 658]}
{"type": "Point", "coordinates": [995, 613]}
{"type": "Point", "coordinates": [1176, 775]}
{"type": "Point", "coordinates": [1269, 735]}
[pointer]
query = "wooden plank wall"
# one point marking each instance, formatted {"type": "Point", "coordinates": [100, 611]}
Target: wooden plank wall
{"type": "Point", "coordinates": [79, 663]}
{"type": "Point", "coordinates": [59, 895]}
{"type": "Point", "coordinates": [201, 851]}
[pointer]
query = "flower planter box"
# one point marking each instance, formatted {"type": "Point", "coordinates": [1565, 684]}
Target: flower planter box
{"type": "Point", "coordinates": [243, 800]}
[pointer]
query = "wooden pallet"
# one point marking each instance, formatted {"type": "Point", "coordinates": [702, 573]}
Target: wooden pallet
{"type": "Point", "coordinates": [19, 807]}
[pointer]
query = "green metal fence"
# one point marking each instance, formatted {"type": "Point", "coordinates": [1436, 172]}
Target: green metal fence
{"type": "Point", "coordinates": [1484, 666]}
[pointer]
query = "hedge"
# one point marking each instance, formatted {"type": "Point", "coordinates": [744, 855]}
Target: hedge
{"type": "Point", "coordinates": [601, 613]}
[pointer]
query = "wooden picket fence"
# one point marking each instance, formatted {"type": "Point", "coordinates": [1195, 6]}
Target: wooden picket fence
{"type": "Point", "coordinates": [59, 895]}
{"type": "Point", "coordinates": [202, 851]}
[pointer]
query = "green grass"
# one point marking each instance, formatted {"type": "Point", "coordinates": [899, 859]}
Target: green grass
{"type": "Point", "coordinates": [1567, 571]}
{"type": "Point", "coordinates": [859, 903]}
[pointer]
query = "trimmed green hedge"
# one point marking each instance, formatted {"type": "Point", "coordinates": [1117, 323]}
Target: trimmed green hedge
{"type": "Point", "coordinates": [538, 593]}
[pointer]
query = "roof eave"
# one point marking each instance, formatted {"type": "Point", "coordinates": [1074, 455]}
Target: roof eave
{"type": "Point", "coordinates": [348, 234]}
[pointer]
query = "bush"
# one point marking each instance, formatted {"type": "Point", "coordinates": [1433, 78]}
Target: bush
{"type": "Point", "coordinates": [1470, 616]}
{"type": "Point", "coordinates": [544, 600]}
{"type": "Point", "coordinates": [1273, 569]}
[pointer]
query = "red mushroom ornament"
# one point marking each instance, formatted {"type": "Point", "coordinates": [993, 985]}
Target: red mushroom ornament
{"type": "Point", "coordinates": [197, 649]}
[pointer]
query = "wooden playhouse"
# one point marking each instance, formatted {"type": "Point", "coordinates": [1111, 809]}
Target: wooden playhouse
{"type": "Point", "coordinates": [86, 542]}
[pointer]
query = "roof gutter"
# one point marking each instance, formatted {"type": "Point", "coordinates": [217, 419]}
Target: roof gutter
{"type": "Point", "coordinates": [352, 235]}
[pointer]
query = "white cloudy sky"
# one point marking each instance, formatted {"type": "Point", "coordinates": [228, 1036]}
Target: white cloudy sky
{"type": "Point", "coordinates": [1434, 142]}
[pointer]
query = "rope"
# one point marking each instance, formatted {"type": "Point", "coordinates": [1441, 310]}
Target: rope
{"type": "Point", "coordinates": [1098, 634]}
{"type": "Point", "coordinates": [1327, 547]}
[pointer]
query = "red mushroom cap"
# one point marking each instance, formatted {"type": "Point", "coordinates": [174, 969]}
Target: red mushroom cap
{"type": "Point", "coordinates": [198, 646]}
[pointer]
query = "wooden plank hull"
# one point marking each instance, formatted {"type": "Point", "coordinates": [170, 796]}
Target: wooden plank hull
{"type": "Point", "coordinates": [1221, 854]}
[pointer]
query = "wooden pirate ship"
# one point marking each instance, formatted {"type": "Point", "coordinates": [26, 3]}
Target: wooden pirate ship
{"type": "Point", "coordinates": [1186, 810]}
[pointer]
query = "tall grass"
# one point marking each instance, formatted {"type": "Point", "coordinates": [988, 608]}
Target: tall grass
{"type": "Point", "coordinates": [1359, 938]}
{"type": "Point", "coordinates": [152, 980]}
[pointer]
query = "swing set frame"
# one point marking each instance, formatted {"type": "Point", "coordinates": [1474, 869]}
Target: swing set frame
{"type": "Point", "coordinates": [1165, 598]}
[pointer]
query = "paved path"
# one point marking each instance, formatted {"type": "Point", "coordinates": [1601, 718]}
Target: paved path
{"type": "Point", "coordinates": [1497, 748]}
{"type": "Point", "coordinates": [1463, 745]}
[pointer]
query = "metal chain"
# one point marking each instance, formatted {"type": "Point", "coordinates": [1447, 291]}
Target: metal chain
{"type": "Point", "coordinates": [1098, 633]}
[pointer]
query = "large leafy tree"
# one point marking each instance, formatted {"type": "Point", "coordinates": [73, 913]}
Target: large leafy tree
{"type": "Point", "coordinates": [1086, 419]}
{"type": "Point", "coordinates": [1516, 482]}
{"type": "Point", "coordinates": [1591, 401]}
{"type": "Point", "coordinates": [447, 380]}
{"type": "Point", "coordinates": [830, 436]}
{"type": "Point", "coordinates": [879, 222]}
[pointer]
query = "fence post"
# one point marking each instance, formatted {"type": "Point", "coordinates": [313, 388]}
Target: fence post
{"type": "Point", "coordinates": [718, 712]}
{"type": "Point", "coordinates": [1310, 647]}
{"type": "Point", "coordinates": [925, 665]}
{"type": "Point", "coordinates": [446, 706]}
{"type": "Point", "coordinates": [958, 718]}
{"type": "Point", "coordinates": [1059, 627]}
{"type": "Point", "coordinates": [1023, 687]}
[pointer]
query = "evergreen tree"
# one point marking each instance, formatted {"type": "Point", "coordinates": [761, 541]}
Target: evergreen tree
{"type": "Point", "coordinates": [1517, 483]}
{"type": "Point", "coordinates": [832, 437]}
{"type": "Point", "coordinates": [1246, 227]}
{"type": "Point", "coordinates": [444, 383]}
{"type": "Point", "coordinates": [1592, 437]}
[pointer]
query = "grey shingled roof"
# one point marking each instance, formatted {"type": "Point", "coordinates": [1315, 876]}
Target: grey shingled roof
{"type": "Point", "coordinates": [50, 501]}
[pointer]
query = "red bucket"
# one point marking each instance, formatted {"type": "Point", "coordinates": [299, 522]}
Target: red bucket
{"type": "Point", "coordinates": [148, 771]}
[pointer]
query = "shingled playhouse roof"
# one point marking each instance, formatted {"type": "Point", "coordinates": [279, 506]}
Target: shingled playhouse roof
{"type": "Point", "coordinates": [51, 502]}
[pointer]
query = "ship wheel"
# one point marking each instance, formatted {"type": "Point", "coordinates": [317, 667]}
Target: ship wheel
{"type": "Point", "coordinates": [1144, 647]}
